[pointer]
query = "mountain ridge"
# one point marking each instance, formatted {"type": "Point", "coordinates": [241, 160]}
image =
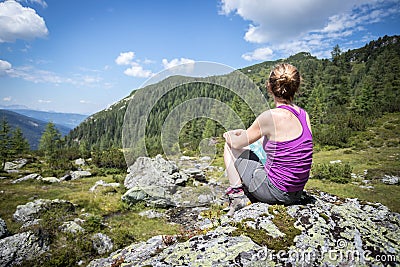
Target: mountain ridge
{"type": "Point", "coordinates": [32, 129]}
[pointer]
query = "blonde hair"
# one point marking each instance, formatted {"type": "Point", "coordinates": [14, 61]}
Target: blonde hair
{"type": "Point", "coordinates": [284, 82]}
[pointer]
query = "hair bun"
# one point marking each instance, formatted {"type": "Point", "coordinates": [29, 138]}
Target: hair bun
{"type": "Point", "coordinates": [284, 81]}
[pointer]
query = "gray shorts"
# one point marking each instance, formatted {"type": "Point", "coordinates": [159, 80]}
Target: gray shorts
{"type": "Point", "coordinates": [256, 183]}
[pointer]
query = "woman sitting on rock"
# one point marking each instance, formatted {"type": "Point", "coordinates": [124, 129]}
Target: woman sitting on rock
{"type": "Point", "coordinates": [287, 141]}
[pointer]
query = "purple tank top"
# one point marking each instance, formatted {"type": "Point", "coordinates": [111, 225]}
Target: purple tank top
{"type": "Point", "coordinates": [288, 163]}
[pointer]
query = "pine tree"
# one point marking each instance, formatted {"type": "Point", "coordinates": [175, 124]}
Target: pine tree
{"type": "Point", "coordinates": [19, 144]}
{"type": "Point", "coordinates": [5, 143]}
{"type": "Point", "coordinates": [50, 143]}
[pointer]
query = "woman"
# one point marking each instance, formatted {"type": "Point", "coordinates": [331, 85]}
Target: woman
{"type": "Point", "coordinates": [287, 141]}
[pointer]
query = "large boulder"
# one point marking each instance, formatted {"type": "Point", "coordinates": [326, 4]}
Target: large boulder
{"type": "Point", "coordinates": [154, 172]}
{"type": "Point", "coordinates": [32, 210]}
{"type": "Point", "coordinates": [18, 248]}
{"type": "Point", "coordinates": [161, 183]}
{"type": "Point", "coordinates": [323, 230]}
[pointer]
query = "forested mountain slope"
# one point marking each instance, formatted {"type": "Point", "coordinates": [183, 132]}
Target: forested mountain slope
{"type": "Point", "coordinates": [343, 95]}
{"type": "Point", "coordinates": [32, 129]}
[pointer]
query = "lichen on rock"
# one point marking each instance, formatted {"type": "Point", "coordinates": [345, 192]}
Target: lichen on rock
{"type": "Point", "coordinates": [328, 231]}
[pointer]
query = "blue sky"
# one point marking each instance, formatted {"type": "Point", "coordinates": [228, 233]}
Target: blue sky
{"type": "Point", "coordinates": [80, 56]}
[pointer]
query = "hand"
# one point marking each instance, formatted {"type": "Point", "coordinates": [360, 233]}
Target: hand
{"type": "Point", "coordinates": [228, 134]}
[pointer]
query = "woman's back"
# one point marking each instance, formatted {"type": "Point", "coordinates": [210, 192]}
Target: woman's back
{"type": "Point", "coordinates": [286, 125]}
{"type": "Point", "coordinates": [289, 155]}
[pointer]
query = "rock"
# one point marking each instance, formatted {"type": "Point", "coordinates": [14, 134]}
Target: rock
{"type": "Point", "coordinates": [51, 180]}
{"type": "Point", "coordinates": [368, 187]}
{"type": "Point", "coordinates": [29, 224]}
{"type": "Point", "coordinates": [391, 180]}
{"type": "Point", "coordinates": [71, 227]}
{"type": "Point", "coordinates": [80, 162]}
{"type": "Point", "coordinates": [156, 178]}
{"type": "Point", "coordinates": [157, 172]}
{"type": "Point", "coordinates": [185, 158]}
{"type": "Point", "coordinates": [102, 243]}
{"type": "Point", "coordinates": [134, 195]}
{"type": "Point", "coordinates": [313, 233]}
{"type": "Point", "coordinates": [80, 174]}
{"type": "Point", "coordinates": [3, 228]}
{"type": "Point", "coordinates": [135, 254]}
{"type": "Point", "coordinates": [154, 196]}
{"type": "Point", "coordinates": [32, 210]}
{"type": "Point", "coordinates": [16, 249]}
{"type": "Point", "coordinates": [33, 176]}
{"type": "Point", "coordinates": [102, 183]}
{"type": "Point", "coordinates": [196, 174]}
{"type": "Point", "coordinates": [66, 177]}
{"type": "Point", "coordinates": [205, 159]}
{"type": "Point", "coordinates": [151, 214]}
{"type": "Point", "coordinates": [205, 199]}
{"type": "Point", "coordinates": [15, 165]}
{"type": "Point", "coordinates": [335, 161]}
{"type": "Point", "coordinates": [161, 184]}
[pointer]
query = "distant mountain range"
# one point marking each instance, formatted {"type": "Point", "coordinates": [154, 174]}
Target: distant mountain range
{"type": "Point", "coordinates": [33, 122]}
{"type": "Point", "coordinates": [70, 120]}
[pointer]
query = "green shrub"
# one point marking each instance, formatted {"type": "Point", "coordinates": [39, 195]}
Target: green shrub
{"type": "Point", "coordinates": [94, 223]}
{"type": "Point", "coordinates": [118, 178]}
{"type": "Point", "coordinates": [337, 172]}
{"type": "Point", "coordinates": [376, 142]}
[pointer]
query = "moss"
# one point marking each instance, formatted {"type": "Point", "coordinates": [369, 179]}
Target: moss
{"type": "Point", "coordinates": [326, 217]}
{"type": "Point", "coordinates": [282, 220]}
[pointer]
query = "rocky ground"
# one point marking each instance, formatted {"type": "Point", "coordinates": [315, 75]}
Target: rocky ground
{"type": "Point", "coordinates": [322, 230]}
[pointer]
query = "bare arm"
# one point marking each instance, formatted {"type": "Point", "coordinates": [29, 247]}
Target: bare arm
{"type": "Point", "coordinates": [262, 126]}
{"type": "Point", "coordinates": [241, 138]}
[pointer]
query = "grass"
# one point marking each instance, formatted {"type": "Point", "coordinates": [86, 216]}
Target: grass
{"type": "Point", "coordinates": [124, 225]}
{"type": "Point", "coordinates": [375, 150]}
{"type": "Point", "coordinates": [385, 194]}
{"type": "Point", "coordinates": [386, 159]}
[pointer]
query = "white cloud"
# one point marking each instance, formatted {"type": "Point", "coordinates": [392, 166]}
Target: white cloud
{"type": "Point", "coordinates": [136, 70]}
{"type": "Point", "coordinates": [276, 21]}
{"type": "Point", "coordinates": [34, 75]}
{"type": "Point", "coordinates": [41, 101]}
{"type": "Point", "coordinates": [258, 54]}
{"type": "Point", "coordinates": [91, 79]}
{"type": "Point", "coordinates": [18, 22]}
{"type": "Point", "coordinates": [176, 61]}
{"type": "Point", "coordinates": [4, 67]}
{"type": "Point", "coordinates": [312, 26]}
{"type": "Point", "coordinates": [148, 61]}
{"type": "Point", "coordinates": [125, 58]}
{"type": "Point", "coordinates": [7, 99]}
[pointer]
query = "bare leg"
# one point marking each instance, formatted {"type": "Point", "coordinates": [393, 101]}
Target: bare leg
{"type": "Point", "coordinates": [230, 156]}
